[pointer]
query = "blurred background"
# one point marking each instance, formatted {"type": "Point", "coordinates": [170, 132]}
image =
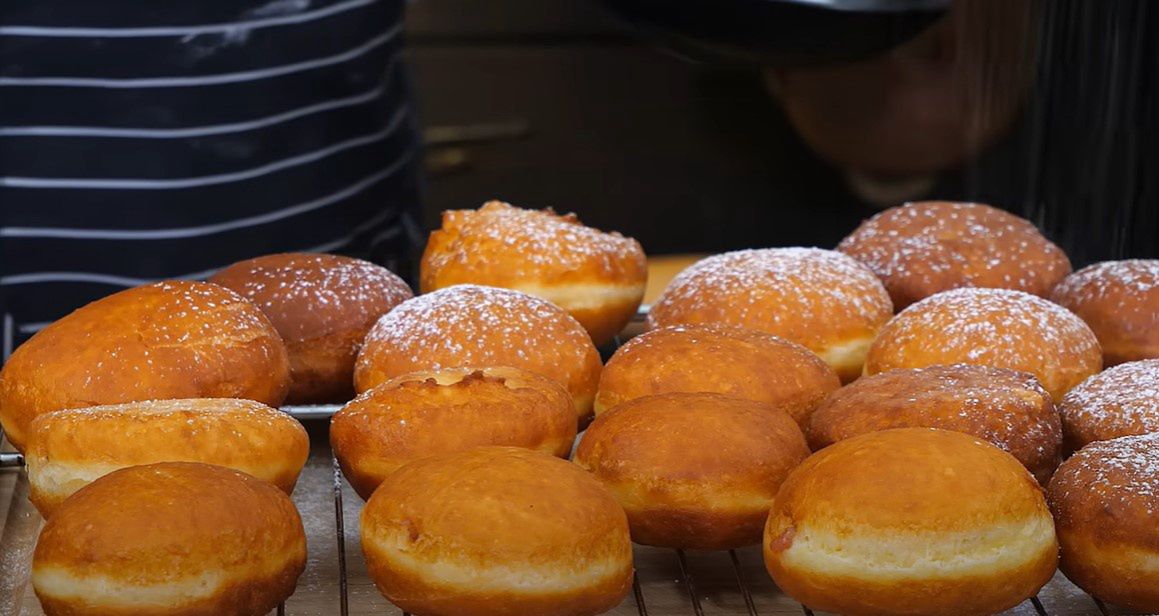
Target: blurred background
{"type": "Point", "coordinates": [137, 145]}
{"type": "Point", "coordinates": [1045, 109]}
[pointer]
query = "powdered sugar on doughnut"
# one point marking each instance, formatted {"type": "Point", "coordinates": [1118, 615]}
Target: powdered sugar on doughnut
{"type": "Point", "coordinates": [223, 406]}
{"type": "Point", "coordinates": [993, 327]}
{"type": "Point", "coordinates": [454, 321]}
{"type": "Point", "coordinates": [921, 248]}
{"type": "Point", "coordinates": [776, 284]}
{"type": "Point", "coordinates": [308, 294]}
{"type": "Point", "coordinates": [980, 227]}
{"type": "Point", "coordinates": [1123, 399]}
{"type": "Point", "coordinates": [193, 313]}
{"type": "Point", "coordinates": [978, 391]}
{"type": "Point", "coordinates": [530, 241]}
{"type": "Point", "coordinates": [1119, 298]}
{"type": "Point", "coordinates": [322, 279]}
{"type": "Point", "coordinates": [172, 339]}
{"type": "Point", "coordinates": [988, 323]}
{"type": "Point", "coordinates": [1137, 276]}
{"type": "Point", "coordinates": [1124, 469]}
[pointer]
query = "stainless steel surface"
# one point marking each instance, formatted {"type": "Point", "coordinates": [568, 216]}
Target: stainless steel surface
{"type": "Point", "coordinates": [11, 459]}
{"type": "Point", "coordinates": [304, 412]}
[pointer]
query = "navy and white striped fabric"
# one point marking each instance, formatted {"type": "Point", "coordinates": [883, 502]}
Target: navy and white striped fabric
{"type": "Point", "coordinates": [147, 140]}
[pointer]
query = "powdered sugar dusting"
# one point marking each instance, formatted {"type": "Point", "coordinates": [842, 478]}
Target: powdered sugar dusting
{"type": "Point", "coordinates": [920, 248]}
{"type": "Point", "coordinates": [304, 293]}
{"type": "Point", "coordinates": [1133, 276]}
{"type": "Point", "coordinates": [194, 411]}
{"type": "Point", "coordinates": [152, 341]}
{"type": "Point", "coordinates": [534, 238]}
{"type": "Point", "coordinates": [199, 315]}
{"type": "Point", "coordinates": [184, 300]}
{"type": "Point", "coordinates": [988, 325]}
{"type": "Point", "coordinates": [1121, 301]}
{"type": "Point", "coordinates": [477, 325]}
{"type": "Point", "coordinates": [1122, 400]}
{"type": "Point", "coordinates": [775, 284]}
{"type": "Point", "coordinates": [1124, 469]}
{"type": "Point", "coordinates": [1008, 408]}
{"type": "Point", "coordinates": [231, 406]}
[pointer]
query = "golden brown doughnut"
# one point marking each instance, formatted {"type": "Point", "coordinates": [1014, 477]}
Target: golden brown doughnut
{"type": "Point", "coordinates": [444, 411]}
{"type": "Point", "coordinates": [741, 363]}
{"type": "Point", "coordinates": [1105, 501]}
{"type": "Point", "coordinates": [69, 449]}
{"type": "Point", "coordinates": [990, 327]}
{"type": "Point", "coordinates": [469, 325]}
{"type": "Point", "coordinates": [598, 277]}
{"type": "Point", "coordinates": [1009, 409]}
{"type": "Point", "coordinates": [918, 249]}
{"type": "Point", "coordinates": [1119, 401]}
{"type": "Point", "coordinates": [497, 531]}
{"type": "Point", "coordinates": [693, 470]}
{"type": "Point", "coordinates": [911, 521]}
{"type": "Point", "coordinates": [170, 538]}
{"type": "Point", "coordinates": [821, 299]}
{"type": "Point", "coordinates": [322, 305]}
{"type": "Point", "coordinates": [1119, 300]}
{"type": "Point", "coordinates": [173, 339]}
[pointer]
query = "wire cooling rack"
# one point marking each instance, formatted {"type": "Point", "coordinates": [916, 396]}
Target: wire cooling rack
{"type": "Point", "coordinates": [667, 582]}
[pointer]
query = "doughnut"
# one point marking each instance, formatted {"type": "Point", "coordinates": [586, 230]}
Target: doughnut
{"type": "Point", "coordinates": [919, 249]}
{"type": "Point", "coordinates": [1119, 300]}
{"type": "Point", "coordinates": [68, 449]}
{"type": "Point", "coordinates": [444, 411]}
{"type": "Point", "coordinates": [1105, 501]}
{"type": "Point", "coordinates": [1120, 401]}
{"type": "Point", "coordinates": [693, 470]}
{"type": "Point", "coordinates": [741, 363]}
{"type": "Point", "coordinates": [821, 299]}
{"type": "Point", "coordinates": [597, 277]}
{"type": "Point", "coordinates": [990, 327]}
{"type": "Point", "coordinates": [173, 339]}
{"type": "Point", "coordinates": [170, 538]}
{"type": "Point", "coordinates": [322, 305]}
{"type": "Point", "coordinates": [1006, 408]}
{"type": "Point", "coordinates": [910, 521]}
{"type": "Point", "coordinates": [470, 325]}
{"type": "Point", "coordinates": [496, 531]}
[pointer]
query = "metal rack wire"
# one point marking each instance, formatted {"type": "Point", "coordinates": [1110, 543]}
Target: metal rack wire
{"type": "Point", "coordinates": [668, 582]}
{"type": "Point", "coordinates": [682, 596]}
{"type": "Point", "coordinates": [687, 582]}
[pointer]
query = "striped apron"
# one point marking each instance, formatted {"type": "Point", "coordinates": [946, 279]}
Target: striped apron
{"type": "Point", "coordinates": [166, 139]}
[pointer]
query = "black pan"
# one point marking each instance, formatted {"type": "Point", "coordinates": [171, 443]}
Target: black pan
{"type": "Point", "coordinates": [779, 32]}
